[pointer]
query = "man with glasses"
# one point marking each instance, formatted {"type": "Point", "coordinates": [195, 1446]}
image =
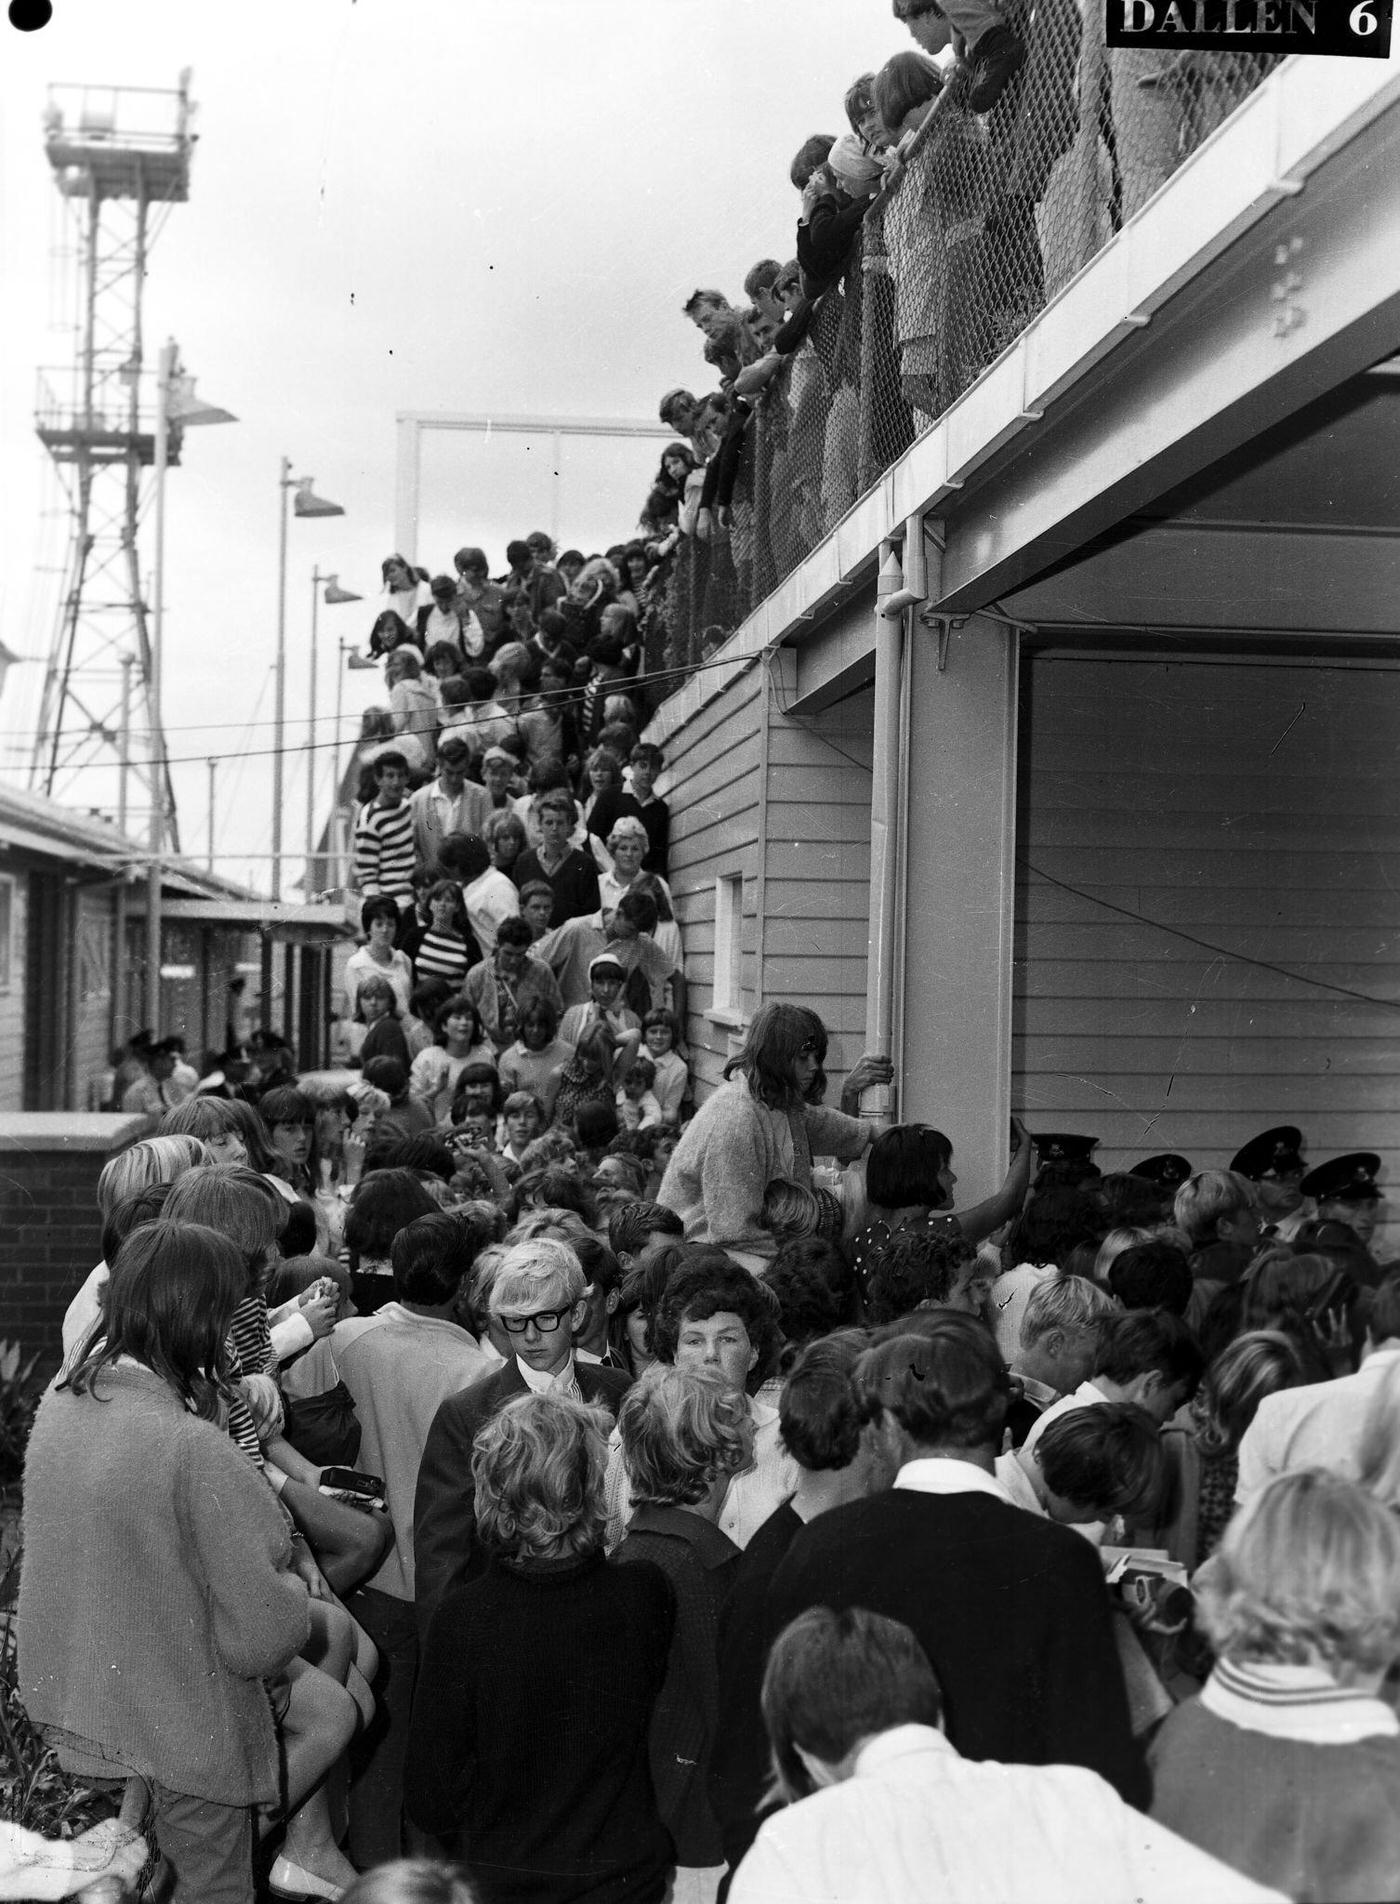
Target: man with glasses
{"type": "Point", "coordinates": [538, 1304]}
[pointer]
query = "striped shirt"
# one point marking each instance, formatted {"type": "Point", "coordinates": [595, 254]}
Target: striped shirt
{"type": "Point", "coordinates": [384, 851]}
{"type": "Point", "coordinates": [441, 955]}
{"type": "Point", "coordinates": [249, 1345]}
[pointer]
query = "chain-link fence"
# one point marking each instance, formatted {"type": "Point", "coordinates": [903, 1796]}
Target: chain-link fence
{"type": "Point", "coordinates": [988, 218]}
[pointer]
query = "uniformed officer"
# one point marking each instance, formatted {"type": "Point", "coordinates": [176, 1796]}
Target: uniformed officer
{"type": "Point", "coordinates": [1168, 1170]}
{"type": "Point", "coordinates": [1345, 1191]}
{"type": "Point", "coordinates": [1062, 1157]}
{"type": "Point", "coordinates": [1273, 1162]}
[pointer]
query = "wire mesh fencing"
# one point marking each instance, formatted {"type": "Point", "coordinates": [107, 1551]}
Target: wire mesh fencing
{"type": "Point", "coordinates": [987, 218]}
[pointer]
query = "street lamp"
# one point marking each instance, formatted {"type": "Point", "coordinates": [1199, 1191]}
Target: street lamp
{"type": "Point", "coordinates": [177, 406]}
{"type": "Point", "coordinates": [350, 657]}
{"type": "Point", "coordinates": [8, 660]}
{"type": "Point", "coordinates": [334, 596]}
{"type": "Point", "coordinates": [304, 503]}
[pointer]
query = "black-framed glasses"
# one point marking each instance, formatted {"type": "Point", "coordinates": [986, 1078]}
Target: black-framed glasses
{"type": "Point", "coordinates": [545, 1320]}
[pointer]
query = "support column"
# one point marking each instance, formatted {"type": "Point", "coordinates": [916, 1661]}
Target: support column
{"type": "Point", "coordinates": [886, 801]}
{"type": "Point", "coordinates": [288, 1018]}
{"type": "Point", "coordinates": [960, 894]}
{"type": "Point", "coordinates": [265, 981]}
{"type": "Point", "coordinates": [407, 477]}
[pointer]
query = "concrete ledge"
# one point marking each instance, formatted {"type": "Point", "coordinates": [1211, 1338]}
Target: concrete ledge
{"type": "Point", "coordinates": [69, 1131]}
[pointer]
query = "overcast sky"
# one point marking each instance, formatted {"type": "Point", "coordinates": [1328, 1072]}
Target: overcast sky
{"type": "Point", "coordinates": [426, 205]}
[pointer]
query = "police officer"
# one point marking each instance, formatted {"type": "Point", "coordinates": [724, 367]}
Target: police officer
{"type": "Point", "coordinates": [1345, 1191]}
{"type": "Point", "coordinates": [1273, 1163]}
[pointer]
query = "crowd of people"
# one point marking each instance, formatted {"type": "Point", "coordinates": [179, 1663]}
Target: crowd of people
{"type": "Point", "coordinates": [963, 193]}
{"type": "Point", "coordinates": [497, 1478]}
{"type": "Point", "coordinates": [521, 681]}
{"type": "Point", "coordinates": [522, 977]}
{"type": "Point", "coordinates": [520, 972]}
{"type": "Point", "coordinates": [563, 1522]}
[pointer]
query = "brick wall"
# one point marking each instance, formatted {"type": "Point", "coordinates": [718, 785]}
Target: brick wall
{"type": "Point", "coordinates": [50, 1230]}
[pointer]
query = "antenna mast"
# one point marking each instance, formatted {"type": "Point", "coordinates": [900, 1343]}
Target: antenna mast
{"type": "Point", "coordinates": [120, 158]}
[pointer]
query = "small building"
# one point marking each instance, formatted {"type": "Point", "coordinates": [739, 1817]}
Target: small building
{"type": "Point", "coordinates": [61, 874]}
{"type": "Point", "coordinates": [73, 949]}
{"type": "Point", "coordinates": [1101, 820]}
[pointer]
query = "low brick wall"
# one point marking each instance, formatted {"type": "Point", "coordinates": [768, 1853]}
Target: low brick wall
{"type": "Point", "coordinates": [50, 1230]}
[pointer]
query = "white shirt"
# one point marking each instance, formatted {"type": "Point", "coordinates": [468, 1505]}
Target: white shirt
{"type": "Point", "coordinates": [400, 1367]}
{"type": "Point", "coordinates": [462, 631]}
{"type": "Point", "coordinates": [945, 1474]}
{"type": "Point", "coordinates": [362, 965]}
{"type": "Point", "coordinates": [611, 889]}
{"type": "Point", "coordinates": [1007, 1302]}
{"type": "Point", "coordinates": [760, 1490]}
{"type": "Point", "coordinates": [82, 1313]}
{"type": "Point", "coordinates": [1318, 1426]}
{"type": "Point", "coordinates": [915, 1822]}
{"type": "Point", "coordinates": [1017, 1483]}
{"type": "Point", "coordinates": [489, 899]}
{"type": "Point", "coordinates": [449, 810]}
{"type": "Point", "coordinates": [672, 1076]}
{"type": "Point", "coordinates": [1085, 1396]}
{"type": "Point", "coordinates": [540, 1382]}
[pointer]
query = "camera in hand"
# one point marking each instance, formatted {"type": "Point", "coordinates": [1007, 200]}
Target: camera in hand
{"type": "Point", "coordinates": [365, 1491]}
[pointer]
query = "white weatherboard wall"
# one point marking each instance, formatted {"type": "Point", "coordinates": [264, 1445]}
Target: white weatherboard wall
{"type": "Point", "coordinates": [805, 864]}
{"type": "Point", "coordinates": [817, 889]}
{"type": "Point", "coordinates": [1257, 809]}
{"type": "Point", "coordinates": [715, 761]}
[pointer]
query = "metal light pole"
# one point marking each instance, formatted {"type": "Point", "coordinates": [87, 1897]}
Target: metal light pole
{"type": "Point", "coordinates": [119, 973]}
{"type": "Point", "coordinates": [339, 844]}
{"type": "Point", "coordinates": [334, 594]}
{"type": "Point", "coordinates": [175, 403]}
{"type": "Point", "coordinates": [213, 767]}
{"type": "Point", "coordinates": [305, 503]}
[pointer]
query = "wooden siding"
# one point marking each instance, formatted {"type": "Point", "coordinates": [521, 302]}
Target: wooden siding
{"type": "Point", "coordinates": [12, 1014]}
{"type": "Point", "coordinates": [817, 891]}
{"type": "Point", "coordinates": [1249, 816]}
{"type": "Point", "coordinates": [815, 833]}
{"type": "Point", "coordinates": [712, 785]}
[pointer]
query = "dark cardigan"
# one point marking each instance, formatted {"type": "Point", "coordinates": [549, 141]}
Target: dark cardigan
{"type": "Point", "coordinates": [740, 1767]}
{"type": "Point", "coordinates": [700, 1562]}
{"type": "Point", "coordinates": [528, 1746]}
{"type": "Point", "coordinates": [1011, 1609]}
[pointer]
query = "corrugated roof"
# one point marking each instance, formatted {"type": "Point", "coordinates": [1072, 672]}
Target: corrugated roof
{"type": "Point", "coordinates": [40, 825]}
{"type": "Point", "coordinates": [29, 819]}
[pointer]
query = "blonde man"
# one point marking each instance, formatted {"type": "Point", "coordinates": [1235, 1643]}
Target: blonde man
{"type": "Point", "coordinates": [1219, 1212]}
{"type": "Point", "coordinates": [538, 1304]}
{"type": "Point", "coordinates": [1287, 1766]}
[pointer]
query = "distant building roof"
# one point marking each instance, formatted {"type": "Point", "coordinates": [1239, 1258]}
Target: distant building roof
{"type": "Point", "coordinates": [39, 825]}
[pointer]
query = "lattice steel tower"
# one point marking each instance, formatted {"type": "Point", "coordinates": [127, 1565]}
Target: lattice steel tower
{"type": "Point", "coordinates": [120, 158]}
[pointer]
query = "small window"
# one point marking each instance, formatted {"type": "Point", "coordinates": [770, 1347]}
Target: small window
{"type": "Point", "coordinates": [729, 941]}
{"type": "Point", "coordinates": [7, 931]}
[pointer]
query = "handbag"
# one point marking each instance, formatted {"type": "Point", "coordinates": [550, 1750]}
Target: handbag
{"type": "Point", "coordinates": [324, 1428]}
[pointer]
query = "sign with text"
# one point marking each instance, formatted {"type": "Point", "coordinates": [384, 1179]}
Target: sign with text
{"type": "Point", "coordinates": [1349, 28]}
